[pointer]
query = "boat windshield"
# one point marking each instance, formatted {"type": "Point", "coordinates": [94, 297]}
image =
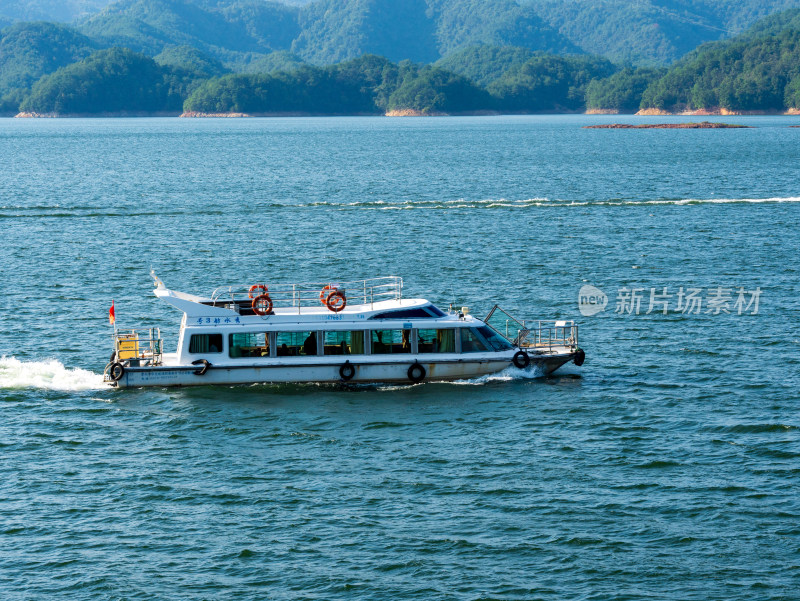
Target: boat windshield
{"type": "Point", "coordinates": [495, 340]}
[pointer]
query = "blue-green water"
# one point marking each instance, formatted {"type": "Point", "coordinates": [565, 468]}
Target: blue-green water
{"type": "Point", "coordinates": [667, 467]}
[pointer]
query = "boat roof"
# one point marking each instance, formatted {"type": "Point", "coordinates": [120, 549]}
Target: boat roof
{"type": "Point", "coordinates": [378, 298]}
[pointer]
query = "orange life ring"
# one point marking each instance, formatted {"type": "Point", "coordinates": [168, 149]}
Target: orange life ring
{"type": "Point", "coordinates": [325, 292]}
{"type": "Point", "coordinates": [336, 301]}
{"type": "Point", "coordinates": [262, 304]}
{"type": "Point", "coordinates": [255, 287]}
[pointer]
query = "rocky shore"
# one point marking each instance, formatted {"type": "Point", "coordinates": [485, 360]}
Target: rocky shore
{"type": "Point", "coordinates": [713, 112]}
{"type": "Point", "coordinates": [126, 114]}
{"type": "Point", "coordinates": [700, 125]}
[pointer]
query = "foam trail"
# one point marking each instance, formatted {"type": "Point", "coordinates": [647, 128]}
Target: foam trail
{"type": "Point", "coordinates": [777, 200]}
{"type": "Point", "coordinates": [532, 372]}
{"type": "Point", "coordinates": [494, 203]}
{"type": "Point", "coordinates": [48, 375]}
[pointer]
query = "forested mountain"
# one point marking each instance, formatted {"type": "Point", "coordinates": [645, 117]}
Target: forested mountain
{"type": "Point", "coordinates": [30, 50]}
{"type": "Point", "coordinates": [191, 59]}
{"type": "Point", "coordinates": [336, 30]}
{"type": "Point", "coordinates": [645, 32]}
{"type": "Point", "coordinates": [462, 23]}
{"type": "Point", "coordinates": [651, 32]}
{"type": "Point", "coordinates": [485, 64]}
{"type": "Point", "coordinates": [524, 81]}
{"type": "Point", "coordinates": [280, 60]}
{"type": "Point", "coordinates": [468, 55]}
{"type": "Point", "coordinates": [111, 81]}
{"type": "Point", "coordinates": [120, 80]}
{"type": "Point", "coordinates": [622, 91]}
{"type": "Point", "coordinates": [758, 70]}
{"type": "Point", "coordinates": [325, 31]}
{"type": "Point", "coordinates": [222, 29]}
{"type": "Point", "coordinates": [49, 10]}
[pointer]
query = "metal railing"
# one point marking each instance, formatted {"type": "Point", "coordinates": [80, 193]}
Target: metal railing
{"type": "Point", "coordinates": [549, 334]}
{"type": "Point", "coordinates": [543, 335]}
{"type": "Point", "coordinates": [299, 295]}
{"type": "Point", "coordinates": [133, 349]}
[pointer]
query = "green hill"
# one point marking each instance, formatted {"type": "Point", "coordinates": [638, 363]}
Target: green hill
{"type": "Point", "coordinates": [221, 29]}
{"type": "Point", "coordinates": [461, 23]}
{"type": "Point", "coordinates": [372, 84]}
{"type": "Point", "coordinates": [651, 32]}
{"type": "Point", "coordinates": [622, 91]}
{"type": "Point", "coordinates": [758, 70]}
{"type": "Point", "coordinates": [190, 59]}
{"type": "Point", "coordinates": [109, 81]}
{"type": "Point", "coordinates": [645, 32]}
{"type": "Point", "coordinates": [30, 50]}
{"type": "Point", "coordinates": [503, 55]}
{"type": "Point", "coordinates": [367, 85]}
{"type": "Point", "coordinates": [49, 10]}
{"type": "Point", "coordinates": [418, 30]}
{"type": "Point", "coordinates": [280, 60]}
{"type": "Point", "coordinates": [521, 80]}
{"type": "Point", "coordinates": [485, 64]}
{"type": "Point", "coordinates": [325, 31]}
{"type": "Point", "coordinates": [309, 89]}
{"type": "Point", "coordinates": [336, 30]}
{"type": "Point", "coordinates": [549, 83]}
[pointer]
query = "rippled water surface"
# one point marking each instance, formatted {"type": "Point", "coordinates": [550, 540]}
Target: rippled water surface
{"type": "Point", "coordinates": [666, 467]}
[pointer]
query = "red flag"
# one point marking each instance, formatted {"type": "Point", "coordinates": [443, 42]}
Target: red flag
{"type": "Point", "coordinates": [111, 317]}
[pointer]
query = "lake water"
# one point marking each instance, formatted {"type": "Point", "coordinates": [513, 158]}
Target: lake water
{"type": "Point", "coordinates": [667, 467]}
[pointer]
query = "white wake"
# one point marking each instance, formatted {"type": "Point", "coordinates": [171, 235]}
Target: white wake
{"type": "Point", "coordinates": [510, 373]}
{"type": "Point", "coordinates": [492, 203]}
{"type": "Point", "coordinates": [48, 375]}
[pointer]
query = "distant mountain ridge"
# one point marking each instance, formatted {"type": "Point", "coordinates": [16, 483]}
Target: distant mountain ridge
{"type": "Point", "coordinates": [324, 31]}
{"type": "Point", "coordinates": [756, 71]}
{"type": "Point", "coordinates": [645, 32]}
{"type": "Point", "coordinates": [499, 54]}
{"type": "Point", "coordinates": [62, 11]}
{"type": "Point", "coordinates": [651, 32]}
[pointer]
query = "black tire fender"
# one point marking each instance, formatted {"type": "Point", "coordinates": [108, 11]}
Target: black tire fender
{"type": "Point", "coordinates": [417, 373]}
{"type": "Point", "coordinates": [580, 357]}
{"type": "Point", "coordinates": [521, 359]}
{"type": "Point", "coordinates": [347, 371]}
{"type": "Point", "coordinates": [116, 371]}
{"type": "Point", "coordinates": [202, 371]}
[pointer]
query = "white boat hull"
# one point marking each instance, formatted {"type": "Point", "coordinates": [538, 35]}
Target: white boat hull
{"type": "Point", "coordinates": [366, 372]}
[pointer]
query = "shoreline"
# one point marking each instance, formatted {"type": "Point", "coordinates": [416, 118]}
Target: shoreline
{"type": "Point", "coordinates": [104, 115]}
{"type": "Point", "coordinates": [393, 113]}
{"type": "Point", "coordinates": [704, 112]}
{"type": "Point", "coordinates": [715, 112]}
{"type": "Point", "coordinates": [689, 125]}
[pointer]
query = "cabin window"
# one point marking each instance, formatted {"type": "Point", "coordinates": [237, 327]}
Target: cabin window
{"type": "Point", "coordinates": [470, 343]}
{"type": "Point", "coordinates": [251, 344]}
{"type": "Point", "coordinates": [391, 341]}
{"type": "Point", "coordinates": [412, 313]}
{"type": "Point", "coordinates": [205, 343]}
{"type": "Point", "coordinates": [295, 344]}
{"type": "Point", "coordinates": [495, 340]}
{"type": "Point", "coordinates": [344, 343]}
{"type": "Point", "coordinates": [436, 341]}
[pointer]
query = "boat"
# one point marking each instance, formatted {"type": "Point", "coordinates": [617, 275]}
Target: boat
{"type": "Point", "coordinates": [334, 332]}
